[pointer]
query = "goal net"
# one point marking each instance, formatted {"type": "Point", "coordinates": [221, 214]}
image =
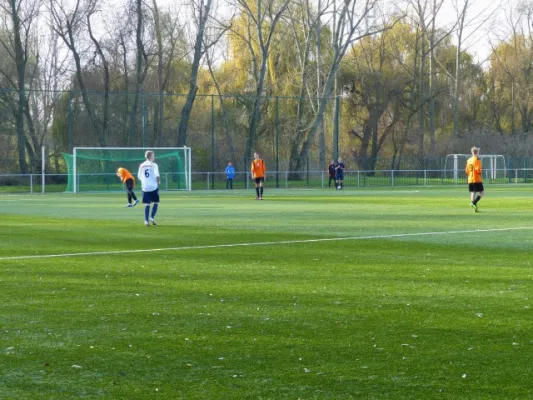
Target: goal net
{"type": "Point", "coordinates": [493, 166]}
{"type": "Point", "coordinates": [93, 169]}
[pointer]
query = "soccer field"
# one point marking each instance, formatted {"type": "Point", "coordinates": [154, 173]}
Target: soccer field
{"type": "Point", "coordinates": [310, 294]}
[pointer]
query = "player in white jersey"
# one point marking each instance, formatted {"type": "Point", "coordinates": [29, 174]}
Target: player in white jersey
{"type": "Point", "coordinates": [149, 177]}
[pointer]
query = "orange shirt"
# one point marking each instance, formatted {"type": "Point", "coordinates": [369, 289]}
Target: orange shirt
{"type": "Point", "coordinates": [124, 175]}
{"type": "Point", "coordinates": [473, 170]}
{"type": "Point", "coordinates": [258, 168]}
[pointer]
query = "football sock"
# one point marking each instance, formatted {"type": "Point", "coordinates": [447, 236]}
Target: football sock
{"type": "Point", "coordinates": [134, 197]}
{"type": "Point", "coordinates": [154, 210]}
{"type": "Point", "coordinates": [146, 212]}
{"type": "Point", "coordinates": [129, 198]}
{"type": "Point", "coordinates": [478, 197]}
{"type": "Point", "coordinates": [261, 191]}
{"type": "Point", "coordinates": [257, 191]}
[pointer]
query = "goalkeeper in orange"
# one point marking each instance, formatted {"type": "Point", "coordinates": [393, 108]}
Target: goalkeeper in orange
{"type": "Point", "coordinates": [127, 178]}
{"type": "Point", "coordinates": [475, 184]}
{"type": "Point", "coordinates": [258, 170]}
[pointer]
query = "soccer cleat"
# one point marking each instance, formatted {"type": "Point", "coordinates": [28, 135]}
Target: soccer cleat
{"type": "Point", "coordinates": [146, 223]}
{"type": "Point", "coordinates": [257, 198]}
{"type": "Point", "coordinates": [129, 205]}
{"type": "Point", "coordinates": [474, 206]}
{"type": "Point", "coordinates": [261, 198]}
{"type": "Point", "coordinates": [152, 221]}
{"type": "Point", "coordinates": [135, 203]}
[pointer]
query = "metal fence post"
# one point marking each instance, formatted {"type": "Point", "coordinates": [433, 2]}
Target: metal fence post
{"type": "Point", "coordinates": [277, 142]}
{"type": "Point", "coordinates": [213, 139]}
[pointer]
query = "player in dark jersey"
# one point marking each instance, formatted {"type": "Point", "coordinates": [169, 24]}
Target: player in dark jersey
{"type": "Point", "coordinates": [339, 174]}
{"type": "Point", "coordinates": [331, 173]}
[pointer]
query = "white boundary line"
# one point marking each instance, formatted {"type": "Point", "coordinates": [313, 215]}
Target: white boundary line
{"type": "Point", "coordinates": [220, 246]}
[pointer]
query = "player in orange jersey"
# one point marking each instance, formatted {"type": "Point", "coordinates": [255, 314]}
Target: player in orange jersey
{"type": "Point", "coordinates": [473, 170]}
{"type": "Point", "coordinates": [127, 178]}
{"type": "Point", "coordinates": [258, 170]}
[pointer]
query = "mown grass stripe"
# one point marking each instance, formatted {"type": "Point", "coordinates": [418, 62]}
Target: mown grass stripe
{"type": "Point", "coordinates": [251, 244]}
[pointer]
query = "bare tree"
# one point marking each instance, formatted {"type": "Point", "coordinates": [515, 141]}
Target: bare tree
{"type": "Point", "coordinates": [19, 44]}
{"type": "Point", "coordinates": [265, 17]}
{"type": "Point", "coordinates": [203, 13]}
{"type": "Point", "coordinates": [68, 23]}
{"type": "Point", "coordinates": [473, 23]}
{"type": "Point", "coordinates": [460, 30]}
{"type": "Point", "coordinates": [307, 22]}
{"type": "Point", "coordinates": [167, 32]}
{"type": "Point", "coordinates": [49, 81]}
{"type": "Point", "coordinates": [350, 26]}
{"type": "Point", "coordinates": [436, 6]}
{"type": "Point", "coordinates": [141, 66]}
{"type": "Point", "coordinates": [105, 66]}
{"type": "Point", "coordinates": [227, 128]}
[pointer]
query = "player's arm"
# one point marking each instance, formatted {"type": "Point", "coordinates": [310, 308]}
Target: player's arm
{"type": "Point", "coordinates": [156, 172]}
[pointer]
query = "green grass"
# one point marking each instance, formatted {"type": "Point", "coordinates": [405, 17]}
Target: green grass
{"type": "Point", "coordinates": [401, 303]}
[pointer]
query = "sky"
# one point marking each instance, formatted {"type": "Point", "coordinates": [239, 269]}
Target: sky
{"type": "Point", "coordinates": [484, 24]}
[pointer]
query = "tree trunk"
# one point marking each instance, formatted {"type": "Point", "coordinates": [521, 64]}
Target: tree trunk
{"type": "Point", "coordinates": [432, 138]}
{"type": "Point", "coordinates": [21, 74]}
{"type": "Point", "coordinates": [199, 50]}
{"type": "Point", "coordinates": [86, 101]}
{"type": "Point", "coordinates": [458, 73]}
{"type": "Point", "coordinates": [255, 116]}
{"type": "Point", "coordinates": [139, 75]}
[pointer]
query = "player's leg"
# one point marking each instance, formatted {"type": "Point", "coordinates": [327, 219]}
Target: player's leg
{"type": "Point", "coordinates": [472, 191]}
{"type": "Point", "coordinates": [131, 194]}
{"type": "Point", "coordinates": [155, 206]}
{"type": "Point", "coordinates": [146, 202]}
{"type": "Point", "coordinates": [478, 193]}
{"type": "Point", "coordinates": [257, 181]}
{"type": "Point", "coordinates": [261, 190]}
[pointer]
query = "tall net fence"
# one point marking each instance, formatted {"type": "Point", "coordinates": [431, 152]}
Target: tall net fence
{"type": "Point", "coordinates": [218, 131]}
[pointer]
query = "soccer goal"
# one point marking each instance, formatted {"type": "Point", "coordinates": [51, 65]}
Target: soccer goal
{"type": "Point", "coordinates": [92, 169]}
{"type": "Point", "coordinates": [493, 166]}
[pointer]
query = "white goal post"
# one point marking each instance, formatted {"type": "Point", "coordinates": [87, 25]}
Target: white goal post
{"type": "Point", "coordinates": [92, 164]}
{"type": "Point", "coordinates": [493, 165]}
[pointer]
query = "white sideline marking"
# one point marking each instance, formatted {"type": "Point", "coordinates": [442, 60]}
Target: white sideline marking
{"type": "Point", "coordinates": [21, 199]}
{"type": "Point", "coordinates": [220, 246]}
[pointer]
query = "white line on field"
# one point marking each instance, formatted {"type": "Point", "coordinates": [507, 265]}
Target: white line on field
{"type": "Point", "coordinates": [220, 246]}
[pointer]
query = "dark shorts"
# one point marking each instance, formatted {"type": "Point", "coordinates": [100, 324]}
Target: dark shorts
{"type": "Point", "coordinates": [475, 187]}
{"type": "Point", "coordinates": [259, 180]}
{"type": "Point", "coordinates": [151, 197]}
{"type": "Point", "coordinates": [129, 184]}
{"type": "Point", "coordinates": [340, 176]}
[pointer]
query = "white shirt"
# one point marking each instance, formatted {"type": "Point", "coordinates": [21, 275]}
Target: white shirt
{"type": "Point", "coordinates": [148, 174]}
